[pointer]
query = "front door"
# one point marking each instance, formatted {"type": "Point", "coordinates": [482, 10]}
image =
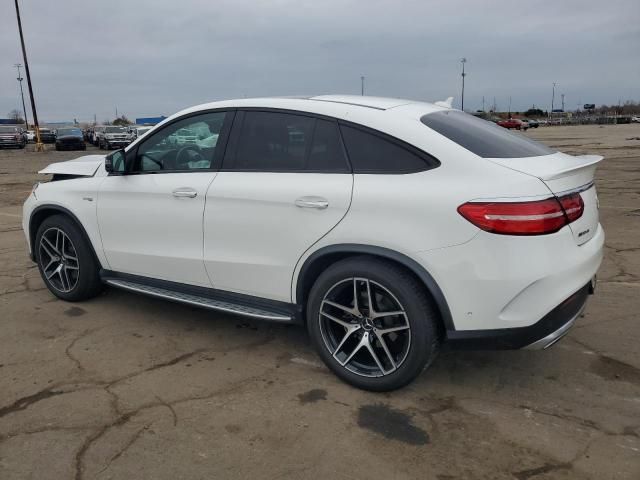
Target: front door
{"type": "Point", "coordinates": [151, 217]}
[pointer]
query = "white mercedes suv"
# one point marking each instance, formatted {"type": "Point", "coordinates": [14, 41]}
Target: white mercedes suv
{"type": "Point", "coordinates": [388, 227]}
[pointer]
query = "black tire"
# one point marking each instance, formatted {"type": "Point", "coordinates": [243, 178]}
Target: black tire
{"type": "Point", "coordinates": [420, 315]}
{"type": "Point", "coordinates": [88, 283]}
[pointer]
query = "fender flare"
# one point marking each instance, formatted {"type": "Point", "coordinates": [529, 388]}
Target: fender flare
{"type": "Point", "coordinates": [350, 248]}
{"type": "Point", "coordinates": [65, 211]}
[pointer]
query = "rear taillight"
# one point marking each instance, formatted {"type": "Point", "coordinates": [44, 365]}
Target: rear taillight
{"type": "Point", "coordinates": [573, 206]}
{"type": "Point", "coordinates": [524, 218]}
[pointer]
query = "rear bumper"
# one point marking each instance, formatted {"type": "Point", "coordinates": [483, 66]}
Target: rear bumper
{"type": "Point", "coordinates": [542, 334]}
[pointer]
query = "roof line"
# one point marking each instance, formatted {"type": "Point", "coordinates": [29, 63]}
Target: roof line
{"type": "Point", "coordinates": [346, 103]}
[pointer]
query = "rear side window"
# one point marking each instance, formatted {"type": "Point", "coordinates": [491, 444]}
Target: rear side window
{"type": "Point", "coordinates": [372, 153]}
{"type": "Point", "coordinates": [281, 142]}
{"type": "Point", "coordinates": [484, 138]}
{"type": "Point", "coordinates": [326, 152]}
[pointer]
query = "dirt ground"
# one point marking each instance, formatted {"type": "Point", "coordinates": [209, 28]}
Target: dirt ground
{"type": "Point", "coordinates": [129, 387]}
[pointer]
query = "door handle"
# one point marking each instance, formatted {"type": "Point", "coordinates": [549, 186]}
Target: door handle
{"type": "Point", "coordinates": [185, 193]}
{"type": "Point", "coordinates": [312, 202]}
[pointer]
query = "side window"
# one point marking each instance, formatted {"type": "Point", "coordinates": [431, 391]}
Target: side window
{"type": "Point", "coordinates": [370, 153]}
{"type": "Point", "coordinates": [326, 153]}
{"type": "Point", "coordinates": [188, 144]}
{"type": "Point", "coordinates": [281, 142]}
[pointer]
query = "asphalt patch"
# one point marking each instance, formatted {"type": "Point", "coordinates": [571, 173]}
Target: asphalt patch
{"type": "Point", "coordinates": [74, 312]}
{"type": "Point", "coordinates": [392, 424]}
{"type": "Point", "coordinates": [612, 369]}
{"type": "Point", "coordinates": [312, 396]}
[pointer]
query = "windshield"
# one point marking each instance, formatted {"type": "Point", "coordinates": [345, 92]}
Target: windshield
{"type": "Point", "coordinates": [484, 138]}
{"type": "Point", "coordinates": [115, 130]}
{"type": "Point", "coordinates": [69, 131]}
{"type": "Point", "coordinates": [8, 129]}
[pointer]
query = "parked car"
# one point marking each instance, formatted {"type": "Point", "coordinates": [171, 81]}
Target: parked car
{"type": "Point", "coordinates": [97, 131]}
{"type": "Point", "coordinates": [531, 122]}
{"type": "Point", "coordinates": [183, 136]}
{"type": "Point", "coordinates": [31, 136]}
{"type": "Point", "coordinates": [635, 119]}
{"type": "Point", "coordinates": [135, 132]}
{"type": "Point", "coordinates": [70, 139]}
{"type": "Point", "coordinates": [113, 137]}
{"type": "Point", "coordinates": [12, 136]}
{"type": "Point", "coordinates": [386, 226]}
{"type": "Point", "coordinates": [513, 123]}
{"type": "Point", "coordinates": [47, 135]}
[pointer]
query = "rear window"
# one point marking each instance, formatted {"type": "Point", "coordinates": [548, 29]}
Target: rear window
{"type": "Point", "coordinates": [484, 138]}
{"type": "Point", "coordinates": [375, 153]}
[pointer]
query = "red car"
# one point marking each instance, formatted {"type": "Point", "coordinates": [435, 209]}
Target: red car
{"type": "Point", "coordinates": [513, 123]}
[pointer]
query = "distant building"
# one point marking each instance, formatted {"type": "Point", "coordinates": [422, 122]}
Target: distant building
{"type": "Point", "coordinates": [150, 120]}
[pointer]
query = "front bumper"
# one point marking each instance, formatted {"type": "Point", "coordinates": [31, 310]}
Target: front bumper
{"type": "Point", "coordinates": [117, 142]}
{"type": "Point", "coordinates": [4, 142]}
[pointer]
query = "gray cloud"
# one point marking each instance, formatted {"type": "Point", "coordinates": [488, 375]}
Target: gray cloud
{"type": "Point", "coordinates": [150, 57]}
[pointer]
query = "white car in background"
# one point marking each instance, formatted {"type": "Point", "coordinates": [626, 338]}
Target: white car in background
{"type": "Point", "coordinates": [388, 227]}
{"type": "Point", "coordinates": [137, 132]}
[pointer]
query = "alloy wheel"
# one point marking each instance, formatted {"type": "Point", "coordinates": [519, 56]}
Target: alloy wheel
{"type": "Point", "coordinates": [364, 327]}
{"type": "Point", "coordinates": [59, 260]}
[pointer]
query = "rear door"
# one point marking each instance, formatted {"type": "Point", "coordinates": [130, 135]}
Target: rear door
{"type": "Point", "coordinates": [284, 184]}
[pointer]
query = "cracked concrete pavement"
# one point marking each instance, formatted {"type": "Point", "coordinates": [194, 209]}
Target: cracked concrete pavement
{"type": "Point", "coordinates": [125, 386]}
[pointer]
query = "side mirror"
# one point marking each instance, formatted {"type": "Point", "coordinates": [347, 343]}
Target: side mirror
{"type": "Point", "coordinates": [115, 163]}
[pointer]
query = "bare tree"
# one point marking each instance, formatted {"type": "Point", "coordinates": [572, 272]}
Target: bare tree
{"type": "Point", "coordinates": [16, 116]}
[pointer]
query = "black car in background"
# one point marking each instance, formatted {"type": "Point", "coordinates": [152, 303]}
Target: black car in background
{"type": "Point", "coordinates": [47, 135]}
{"type": "Point", "coordinates": [12, 136]}
{"type": "Point", "coordinates": [532, 123]}
{"type": "Point", "coordinates": [70, 139]}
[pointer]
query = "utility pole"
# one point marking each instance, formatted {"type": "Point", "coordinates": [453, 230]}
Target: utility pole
{"type": "Point", "coordinates": [509, 106]}
{"type": "Point", "coordinates": [24, 109]}
{"type": "Point", "coordinates": [553, 97]}
{"type": "Point", "coordinates": [483, 103]}
{"type": "Point", "coordinates": [39, 146]}
{"type": "Point", "coordinates": [362, 85]}
{"type": "Point", "coordinates": [463, 61]}
{"type": "Point", "coordinates": [562, 96]}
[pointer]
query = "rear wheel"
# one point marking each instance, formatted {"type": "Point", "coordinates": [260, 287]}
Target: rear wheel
{"type": "Point", "coordinates": [372, 323]}
{"type": "Point", "coordinates": [65, 260]}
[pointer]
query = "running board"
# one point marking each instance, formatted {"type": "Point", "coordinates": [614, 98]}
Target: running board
{"type": "Point", "coordinates": [200, 301]}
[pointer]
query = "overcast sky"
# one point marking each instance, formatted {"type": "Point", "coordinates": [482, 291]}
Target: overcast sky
{"type": "Point", "coordinates": [154, 57]}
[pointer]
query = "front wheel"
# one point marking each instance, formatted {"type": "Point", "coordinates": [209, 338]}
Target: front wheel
{"type": "Point", "coordinates": [66, 262]}
{"type": "Point", "coordinates": [372, 323]}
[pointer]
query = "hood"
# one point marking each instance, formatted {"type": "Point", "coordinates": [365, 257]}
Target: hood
{"type": "Point", "coordinates": [69, 137]}
{"type": "Point", "coordinates": [84, 166]}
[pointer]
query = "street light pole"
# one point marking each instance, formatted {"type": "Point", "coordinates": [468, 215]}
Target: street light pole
{"type": "Point", "coordinates": [463, 61]}
{"type": "Point", "coordinates": [24, 109]}
{"type": "Point", "coordinates": [553, 97]}
{"type": "Point", "coordinates": [362, 85]}
{"type": "Point", "coordinates": [39, 146]}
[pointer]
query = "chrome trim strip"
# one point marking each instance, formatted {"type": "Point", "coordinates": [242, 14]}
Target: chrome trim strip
{"type": "Point", "coordinates": [581, 189]}
{"type": "Point", "coordinates": [553, 337]}
{"type": "Point", "coordinates": [194, 300]}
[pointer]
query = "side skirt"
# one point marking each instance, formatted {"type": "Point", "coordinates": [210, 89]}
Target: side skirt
{"type": "Point", "coordinates": [210, 298]}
